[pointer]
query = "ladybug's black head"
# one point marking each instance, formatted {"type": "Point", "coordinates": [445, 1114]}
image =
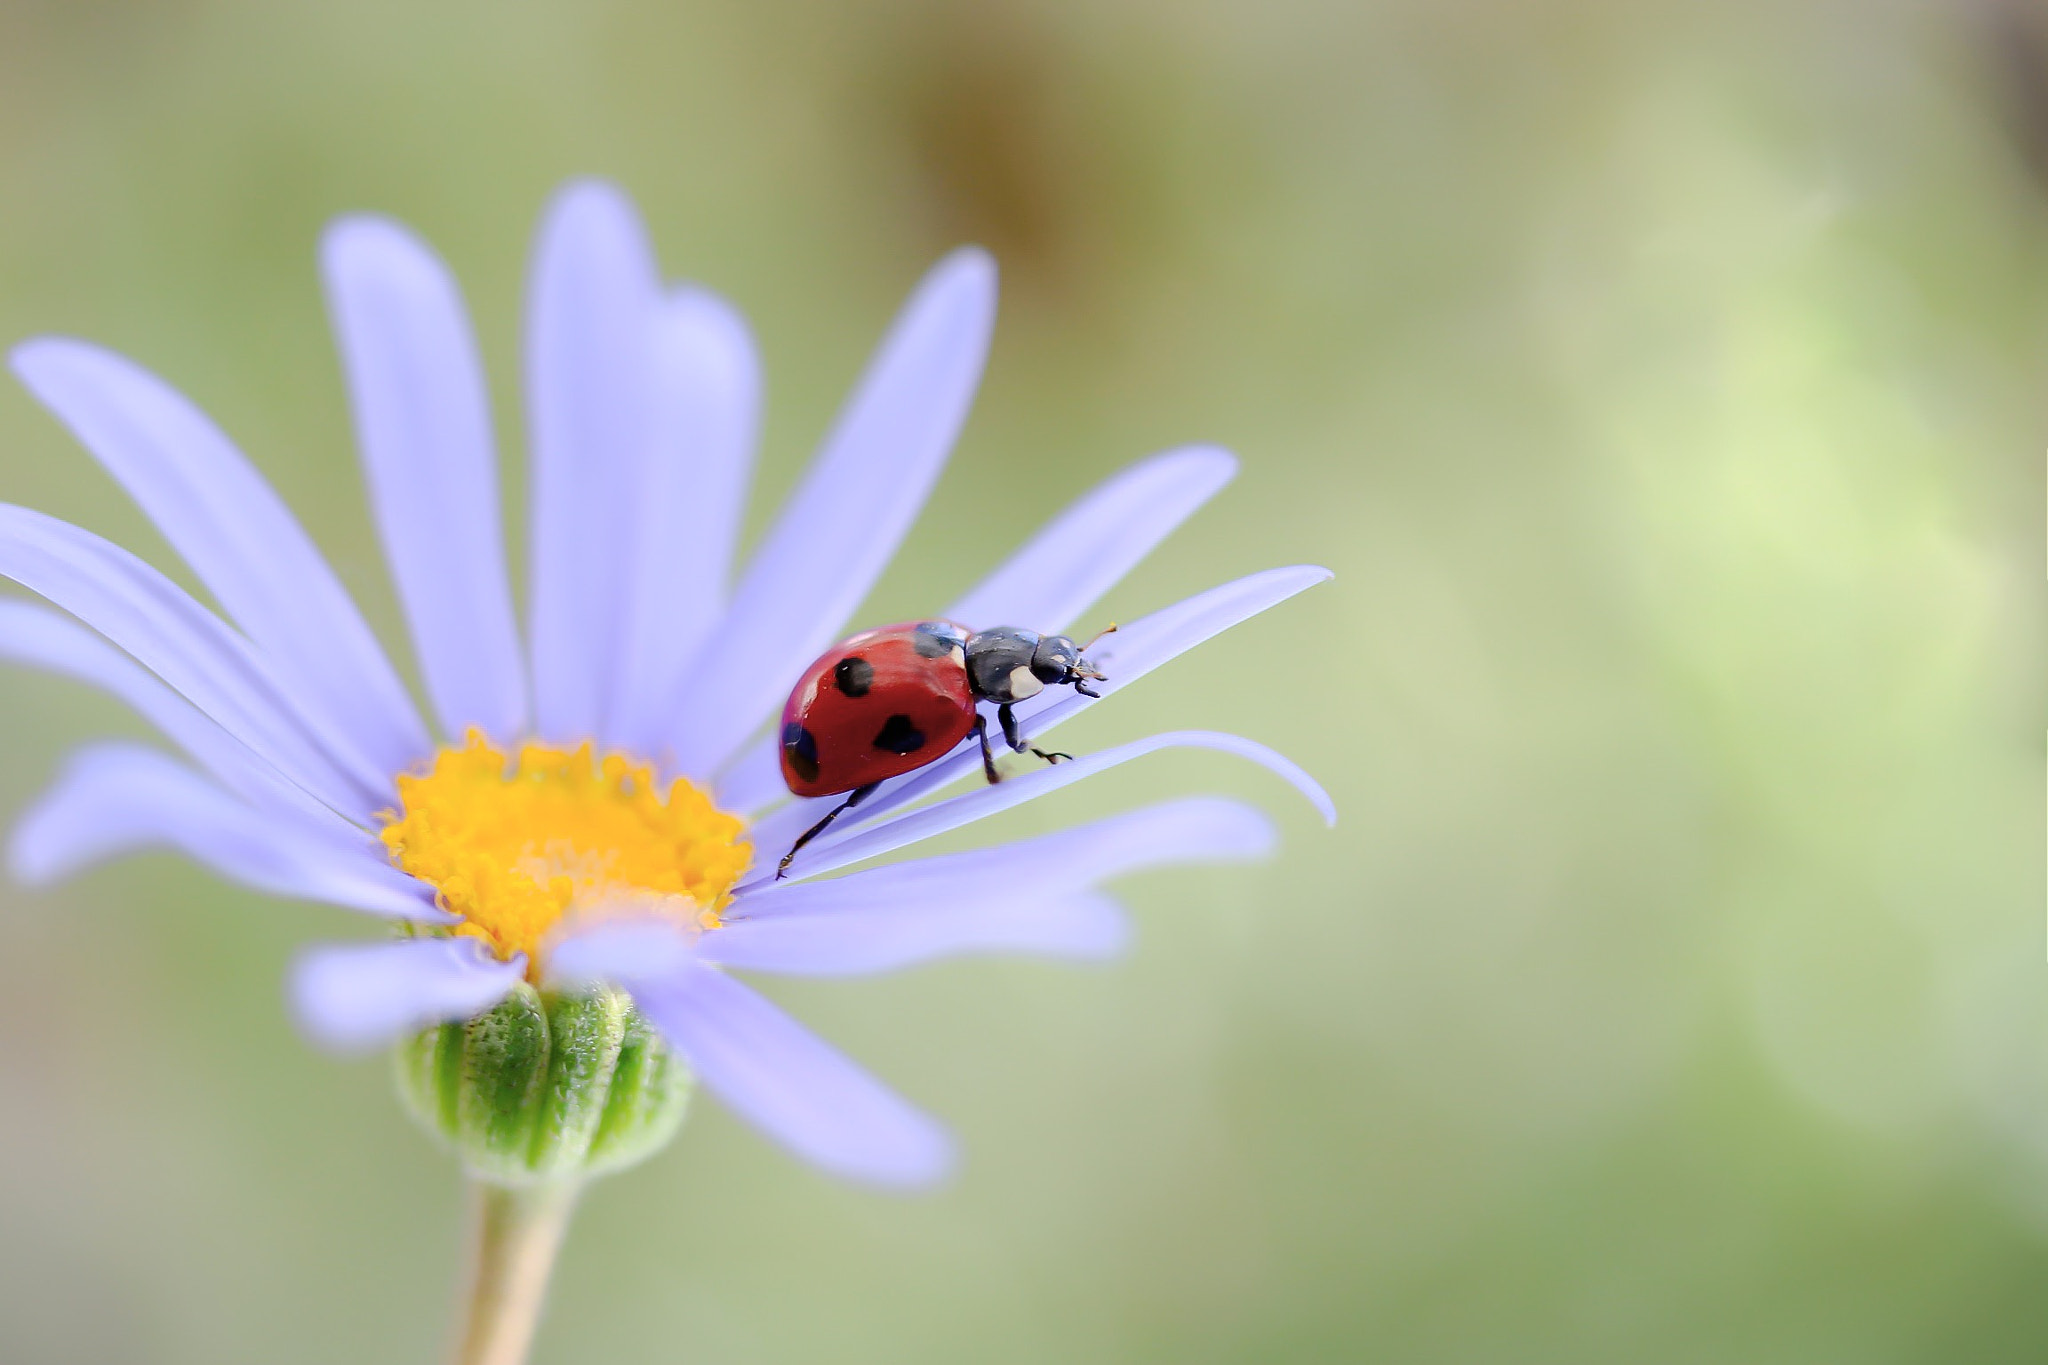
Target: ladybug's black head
{"type": "Point", "coordinates": [1058, 660]}
{"type": "Point", "coordinates": [1006, 664]}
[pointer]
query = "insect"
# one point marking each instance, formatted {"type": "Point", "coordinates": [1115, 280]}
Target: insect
{"type": "Point", "coordinates": [888, 701]}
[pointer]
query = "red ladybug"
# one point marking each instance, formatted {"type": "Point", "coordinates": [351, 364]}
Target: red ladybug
{"type": "Point", "coordinates": [888, 701]}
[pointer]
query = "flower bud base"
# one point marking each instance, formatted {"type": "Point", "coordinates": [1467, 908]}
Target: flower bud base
{"type": "Point", "coordinates": [546, 1087]}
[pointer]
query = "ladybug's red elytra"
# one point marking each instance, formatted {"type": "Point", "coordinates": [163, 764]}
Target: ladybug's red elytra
{"type": "Point", "coordinates": [888, 701]}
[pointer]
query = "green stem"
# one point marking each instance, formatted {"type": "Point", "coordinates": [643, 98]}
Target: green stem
{"type": "Point", "coordinates": [518, 1232]}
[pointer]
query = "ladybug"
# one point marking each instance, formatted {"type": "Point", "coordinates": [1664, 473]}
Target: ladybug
{"type": "Point", "coordinates": [888, 701]}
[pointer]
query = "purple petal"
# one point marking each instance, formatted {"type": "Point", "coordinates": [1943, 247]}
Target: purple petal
{"type": "Point", "coordinates": [1064, 923]}
{"type": "Point", "coordinates": [845, 519]}
{"type": "Point", "coordinates": [691, 499]}
{"type": "Point", "coordinates": [788, 1083]}
{"type": "Point", "coordinates": [591, 348]}
{"type": "Point", "coordinates": [238, 536]}
{"type": "Point", "coordinates": [908, 828]}
{"type": "Point", "coordinates": [42, 638]}
{"type": "Point", "coordinates": [1189, 829]}
{"type": "Point", "coordinates": [621, 950]}
{"type": "Point", "coordinates": [187, 646]}
{"type": "Point", "coordinates": [358, 998]}
{"type": "Point", "coordinates": [1126, 656]}
{"type": "Point", "coordinates": [119, 798]}
{"type": "Point", "coordinates": [423, 421]}
{"type": "Point", "coordinates": [1088, 548]}
{"type": "Point", "coordinates": [1045, 586]}
{"type": "Point", "coordinates": [1020, 897]}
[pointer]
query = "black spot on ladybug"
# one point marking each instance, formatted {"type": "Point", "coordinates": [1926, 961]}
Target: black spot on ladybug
{"type": "Point", "coordinates": [800, 748]}
{"type": "Point", "coordinates": [936, 639]}
{"type": "Point", "coordinates": [899, 736]}
{"type": "Point", "coordinates": [854, 675]}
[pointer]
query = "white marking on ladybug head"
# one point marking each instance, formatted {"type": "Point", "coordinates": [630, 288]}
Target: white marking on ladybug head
{"type": "Point", "coordinates": [1024, 683]}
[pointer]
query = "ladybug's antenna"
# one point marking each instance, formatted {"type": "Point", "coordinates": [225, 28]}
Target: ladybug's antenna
{"type": "Point", "coordinates": [1109, 629]}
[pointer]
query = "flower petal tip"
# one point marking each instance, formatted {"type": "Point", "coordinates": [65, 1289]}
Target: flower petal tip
{"type": "Point", "coordinates": [354, 237]}
{"type": "Point", "coordinates": [319, 1005]}
{"type": "Point", "coordinates": [27, 864]}
{"type": "Point", "coordinates": [45, 846]}
{"type": "Point", "coordinates": [1224, 464]}
{"type": "Point", "coordinates": [591, 200]}
{"type": "Point", "coordinates": [693, 303]}
{"type": "Point", "coordinates": [969, 264]}
{"type": "Point", "coordinates": [45, 363]}
{"type": "Point", "coordinates": [589, 189]}
{"type": "Point", "coordinates": [912, 1170]}
{"type": "Point", "coordinates": [1297, 777]}
{"type": "Point", "coordinates": [1236, 831]}
{"type": "Point", "coordinates": [964, 282]}
{"type": "Point", "coordinates": [26, 357]}
{"type": "Point", "coordinates": [1110, 930]}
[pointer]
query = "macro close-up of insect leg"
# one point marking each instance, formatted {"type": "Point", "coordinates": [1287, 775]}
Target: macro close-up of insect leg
{"type": "Point", "coordinates": [860, 794]}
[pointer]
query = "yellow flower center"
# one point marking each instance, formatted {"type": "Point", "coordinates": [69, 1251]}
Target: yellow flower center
{"type": "Point", "coordinates": [519, 849]}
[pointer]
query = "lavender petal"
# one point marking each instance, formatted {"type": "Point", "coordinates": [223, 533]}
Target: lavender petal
{"type": "Point", "coordinates": [845, 519]}
{"type": "Point", "coordinates": [114, 799]}
{"type": "Point", "coordinates": [690, 504]}
{"type": "Point", "coordinates": [423, 422]}
{"type": "Point", "coordinates": [237, 535]}
{"type": "Point", "coordinates": [1027, 896]}
{"type": "Point", "coordinates": [592, 390]}
{"type": "Point", "coordinates": [1059, 574]}
{"type": "Point", "coordinates": [788, 1083]}
{"type": "Point", "coordinates": [357, 998]}
{"type": "Point", "coordinates": [1063, 923]}
{"type": "Point", "coordinates": [1087, 549]}
{"type": "Point", "coordinates": [909, 827]}
{"type": "Point", "coordinates": [1126, 656]}
{"type": "Point", "coordinates": [189, 648]}
{"type": "Point", "coordinates": [40, 637]}
{"type": "Point", "coordinates": [626, 951]}
{"type": "Point", "coordinates": [1188, 829]}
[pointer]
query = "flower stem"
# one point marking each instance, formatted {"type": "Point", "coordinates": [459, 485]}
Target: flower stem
{"type": "Point", "coordinates": [518, 1232]}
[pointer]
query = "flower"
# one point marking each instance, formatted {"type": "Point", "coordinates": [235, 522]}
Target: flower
{"type": "Point", "coordinates": [579, 818]}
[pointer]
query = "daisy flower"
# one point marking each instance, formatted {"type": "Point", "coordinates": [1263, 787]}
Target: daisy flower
{"type": "Point", "coordinates": [591, 804]}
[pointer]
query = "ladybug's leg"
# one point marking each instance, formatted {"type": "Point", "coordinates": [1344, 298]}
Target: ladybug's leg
{"type": "Point", "coordinates": [860, 794]}
{"type": "Point", "coordinates": [1016, 737]}
{"type": "Point", "coordinates": [988, 757]}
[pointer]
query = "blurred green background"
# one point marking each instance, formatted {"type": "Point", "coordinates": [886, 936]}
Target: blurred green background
{"type": "Point", "coordinates": [1664, 382]}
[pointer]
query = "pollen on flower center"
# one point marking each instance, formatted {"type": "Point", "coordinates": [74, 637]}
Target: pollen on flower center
{"type": "Point", "coordinates": [519, 847]}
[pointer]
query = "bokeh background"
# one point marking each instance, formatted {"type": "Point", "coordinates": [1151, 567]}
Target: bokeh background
{"type": "Point", "coordinates": [1666, 385]}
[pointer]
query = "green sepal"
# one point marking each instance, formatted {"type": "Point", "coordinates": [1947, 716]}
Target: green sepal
{"type": "Point", "coordinates": [546, 1086]}
{"type": "Point", "coordinates": [650, 1090]}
